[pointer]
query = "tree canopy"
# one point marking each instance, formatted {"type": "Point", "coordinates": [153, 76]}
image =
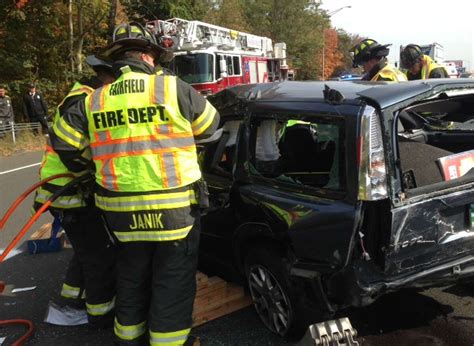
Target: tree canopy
{"type": "Point", "coordinates": [47, 41]}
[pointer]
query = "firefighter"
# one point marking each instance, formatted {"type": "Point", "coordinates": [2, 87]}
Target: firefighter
{"type": "Point", "coordinates": [372, 57]}
{"type": "Point", "coordinates": [419, 65]}
{"type": "Point", "coordinates": [142, 130]}
{"type": "Point", "coordinates": [93, 263]}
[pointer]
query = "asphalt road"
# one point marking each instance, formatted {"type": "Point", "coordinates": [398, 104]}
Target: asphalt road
{"type": "Point", "coordinates": [17, 173]}
{"type": "Point", "coordinates": [440, 316]}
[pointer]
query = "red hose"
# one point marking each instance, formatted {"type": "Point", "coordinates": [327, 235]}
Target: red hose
{"type": "Point", "coordinates": [25, 194]}
{"type": "Point", "coordinates": [25, 229]}
{"type": "Point", "coordinates": [38, 213]}
{"type": "Point", "coordinates": [20, 341]}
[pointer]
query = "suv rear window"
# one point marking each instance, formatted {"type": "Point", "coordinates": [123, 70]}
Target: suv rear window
{"type": "Point", "coordinates": [299, 150]}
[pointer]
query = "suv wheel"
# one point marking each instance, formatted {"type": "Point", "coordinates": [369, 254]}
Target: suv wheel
{"type": "Point", "coordinates": [270, 290]}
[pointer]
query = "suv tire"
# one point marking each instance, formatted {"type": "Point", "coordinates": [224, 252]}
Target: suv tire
{"type": "Point", "coordinates": [271, 290]}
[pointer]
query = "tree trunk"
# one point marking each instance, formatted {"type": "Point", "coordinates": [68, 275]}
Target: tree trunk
{"type": "Point", "coordinates": [71, 36]}
{"type": "Point", "coordinates": [112, 15]}
{"type": "Point", "coordinates": [80, 36]}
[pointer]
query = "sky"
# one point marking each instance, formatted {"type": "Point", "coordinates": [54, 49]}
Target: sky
{"type": "Point", "coordinates": [450, 23]}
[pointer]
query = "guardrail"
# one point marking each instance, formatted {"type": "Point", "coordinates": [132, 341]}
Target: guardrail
{"type": "Point", "coordinates": [15, 129]}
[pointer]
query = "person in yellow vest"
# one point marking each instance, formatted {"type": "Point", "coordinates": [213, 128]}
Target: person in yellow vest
{"type": "Point", "coordinates": [372, 57]}
{"type": "Point", "coordinates": [90, 273]}
{"type": "Point", "coordinates": [141, 130]}
{"type": "Point", "coordinates": [419, 65]}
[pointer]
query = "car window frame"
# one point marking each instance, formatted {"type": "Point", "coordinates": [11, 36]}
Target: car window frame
{"type": "Point", "coordinates": [338, 194]}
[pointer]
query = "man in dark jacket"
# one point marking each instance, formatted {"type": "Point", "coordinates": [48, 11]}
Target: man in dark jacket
{"type": "Point", "coordinates": [35, 108]}
{"type": "Point", "coordinates": [6, 111]}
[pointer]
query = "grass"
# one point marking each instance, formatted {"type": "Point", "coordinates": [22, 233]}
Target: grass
{"type": "Point", "coordinates": [25, 141]}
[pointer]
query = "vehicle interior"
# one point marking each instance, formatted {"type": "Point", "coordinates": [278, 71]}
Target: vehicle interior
{"type": "Point", "coordinates": [288, 149]}
{"type": "Point", "coordinates": [303, 151]}
{"type": "Point", "coordinates": [429, 132]}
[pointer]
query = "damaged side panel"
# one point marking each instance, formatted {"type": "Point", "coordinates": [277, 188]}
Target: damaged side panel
{"type": "Point", "coordinates": [429, 232]}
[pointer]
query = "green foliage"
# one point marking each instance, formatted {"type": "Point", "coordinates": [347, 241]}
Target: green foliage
{"type": "Point", "coordinates": [346, 42]}
{"type": "Point", "coordinates": [230, 14]}
{"type": "Point", "coordinates": [34, 47]}
{"type": "Point", "coordinates": [34, 41]}
{"type": "Point", "coordinates": [294, 23]}
{"type": "Point", "coordinates": [146, 10]}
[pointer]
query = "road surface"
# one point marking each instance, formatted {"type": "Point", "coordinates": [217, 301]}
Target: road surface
{"type": "Point", "coordinates": [17, 173]}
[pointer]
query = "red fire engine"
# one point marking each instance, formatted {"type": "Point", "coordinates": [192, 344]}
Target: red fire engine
{"type": "Point", "coordinates": [212, 58]}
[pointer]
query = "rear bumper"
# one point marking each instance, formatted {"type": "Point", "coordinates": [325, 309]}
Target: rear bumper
{"type": "Point", "coordinates": [361, 285]}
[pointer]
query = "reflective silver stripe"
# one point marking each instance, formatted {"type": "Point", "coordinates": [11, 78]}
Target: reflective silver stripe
{"type": "Point", "coordinates": [110, 203]}
{"type": "Point", "coordinates": [107, 173]}
{"type": "Point", "coordinates": [170, 338]}
{"type": "Point", "coordinates": [64, 201]}
{"type": "Point", "coordinates": [164, 129]}
{"type": "Point", "coordinates": [129, 332]}
{"type": "Point", "coordinates": [43, 196]}
{"type": "Point", "coordinates": [159, 95]}
{"type": "Point", "coordinates": [100, 309]}
{"type": "Point", "coordinates": [70, 291]}
{"type": "Point", "coordinates": [159, 340]}
{"type": "Point", "coordinates": [170, 169]}
{"type": "Point", "coordinates": [138, 146]}
{"type": "Point", "coordinates": [70, 138]}
{"type": "Point", "coordinates": [102, 135]}
{"type": "Point", "coordinates": [95, 100]}
{"type": "Point", "coordinates": [152, 235]}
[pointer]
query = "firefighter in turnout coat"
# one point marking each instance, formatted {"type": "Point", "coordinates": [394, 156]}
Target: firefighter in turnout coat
{"type": "Point", "coordinates": [141, 130]}
{"type": "Point", "coordinates": [91, 271]}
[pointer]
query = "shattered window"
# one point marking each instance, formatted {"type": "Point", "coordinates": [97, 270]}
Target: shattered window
{"type": "Point", "coordinates": [300, 151]}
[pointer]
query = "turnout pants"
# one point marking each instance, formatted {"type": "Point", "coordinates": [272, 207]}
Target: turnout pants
{"type": "Point", "coordinates": [156, 287]}
{"type": "Point", "coordinates": [73, 287]}
{"type": "Point", "coordinates": [96, 256]}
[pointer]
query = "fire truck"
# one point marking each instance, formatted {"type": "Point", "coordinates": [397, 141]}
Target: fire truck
{"type": "Point", "coordinates": [212, 58]}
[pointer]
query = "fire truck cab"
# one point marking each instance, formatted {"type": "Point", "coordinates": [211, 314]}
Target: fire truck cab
{"type": "Point", "coordinates": [212, 58]}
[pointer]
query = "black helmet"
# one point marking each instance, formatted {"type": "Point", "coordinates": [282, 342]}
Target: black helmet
{"type": "Point", "coordinates": [131, 36]}
{"type": "Point", "coordinates": [410, 55]}
{"type": "Point", "coordinates": [366, 50]}
{"type": "Point", "coordinates": [95, 62]}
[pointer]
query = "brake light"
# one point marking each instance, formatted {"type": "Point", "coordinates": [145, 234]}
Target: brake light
{"type": "Point", "coordinates": [371, 158]}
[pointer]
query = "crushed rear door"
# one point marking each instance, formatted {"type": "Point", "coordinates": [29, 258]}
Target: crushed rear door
{"type": "Point", "coordinates": [431, 230]}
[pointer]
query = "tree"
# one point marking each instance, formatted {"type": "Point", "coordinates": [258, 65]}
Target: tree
{"type": "Point", "coordinates": [146, 10]}
{"type": "Point", "coordinates": [345, 43]}
{"type": "Point", "coordinates": [229, 14]}
{"type": "Point", "coordinates": [332, 56]}
{"type": "Point", "coordinates": [90, 16]}
{"type": "Point", "coordinates": [295, 23]}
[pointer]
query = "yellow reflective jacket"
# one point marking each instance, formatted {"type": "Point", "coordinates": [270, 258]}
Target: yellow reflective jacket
{"type": "Point", "coordinates": [391, 73]}
{"type": "Point", "coordinates": [139, 140]}
{"type": "Point", "coordinates": [427, 66]}
{"type": "Point", "coordinates": [52, 165]}
{"type": "Point", "coordinates": [141, 132]}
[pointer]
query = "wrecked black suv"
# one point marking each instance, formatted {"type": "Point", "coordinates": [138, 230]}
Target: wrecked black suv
{"type": "Point", "coordinates": [326, 195]}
